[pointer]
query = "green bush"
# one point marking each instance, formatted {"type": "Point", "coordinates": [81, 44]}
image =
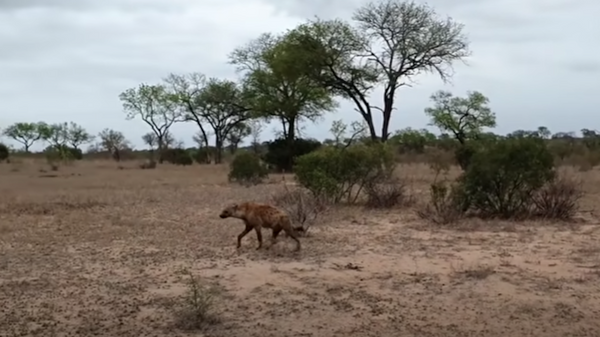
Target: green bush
{"type": "Point", "coordinates": [342, 173]}
{"type": "Point", "coordinates": [202, 155]}
{"type": "Point", "coordinates": [463, 154]}
{"type": "Point", "coordinates": [247, 169]}
{"type": "Point", "coordinates": [503, 177]}
{"type": "Point", "coordinates": [445, 205]}
{"type": "Point", "coordinates": [4, 152]}
{"type": "Point", "coordinates": [281, 157]}
{"type": "Point", "coordinates": [177, 156]}
{"type": "Point", "coordinates": [62, 153]}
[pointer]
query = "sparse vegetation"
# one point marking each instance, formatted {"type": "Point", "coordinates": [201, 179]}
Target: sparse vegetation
{"type": "Point", "coordinates": [94, 250]}
{"type": "Point", "coordinates": [198, 310]}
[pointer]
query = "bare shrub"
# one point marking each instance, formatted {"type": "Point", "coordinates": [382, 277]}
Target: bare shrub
{"type": "Point", "coordinates": [387, 193]}
{"type": "Point", "coordinates": [302, 206]}
{"type": "Point", "coordinates": [444, 206]}
{"type": "Point", "coordinates": [148, 165]}
{"type": "Point", "coordinates": [558, 199]}
{"type": "Point", "coordinates": [198, 310]}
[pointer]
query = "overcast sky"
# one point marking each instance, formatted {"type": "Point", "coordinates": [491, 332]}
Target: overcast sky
{"type": "Point", "coordinates": [68, 60]}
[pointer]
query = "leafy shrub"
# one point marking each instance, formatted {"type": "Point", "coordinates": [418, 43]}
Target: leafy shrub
{"type": "Point", "coordinates": [463, 155]}
{"type": "Point", "coordinates": [558, 199]}
{"type": "Point", "coordinates": [503, 177]}
{"type": "Point", "coordinates": [302, 206]}
{"type": "Point", "coordinates": [386, 192]}
{"type": "Point", "coordinates": [177, 156]}
{"type": "Point", "coordinates": [63, 153]}
{"type": "Point", "coordinates": [203, 155]}
{"type": "Point", "coordinates": [446, 204]}
{"type": "Point", "coordinates": [4, 152]}
{"type": "Point", "coordinates": [342, 173]}
{"type": "Point", "coordinates": [282, 157]}
{"type": "Point", "coordinates": [247, 169]}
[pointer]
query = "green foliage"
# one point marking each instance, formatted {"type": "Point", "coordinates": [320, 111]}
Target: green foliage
{"type": "Point", "coordinates": [446, 205]}
{"type": "Point", "coordinates": [465, 118]}
{"type": "Point", "coordinates": [503, 177]}
{"type": "Point", "coordinates": [77, 135]}
{"type": "Point", "coordinates": [24, 133]}
{"type": "Point", "coordinates": [277, 85]}
{"type": "Point", "coordinates": [4, 152]}
{"type": "Point", "coordinates": [282, 157]}
{"type": "Point", "coordinates": [464, 152]}
{"type": "Point", "coordinates": [203, 155]}
{"type": "Point", "coordinates": [410, 140]}
{"type": "Point", "coordinates": [247, 169]}
{"type": "Point", "coordinates": [177, 156]}
{"type": "Point", "coordinates": [339, 174]}
{"type": "Point", "coordinates": [61, 154]}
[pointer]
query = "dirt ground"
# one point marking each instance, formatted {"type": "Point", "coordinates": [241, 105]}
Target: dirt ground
{"type": "Point", "coordinates": [94, 250]}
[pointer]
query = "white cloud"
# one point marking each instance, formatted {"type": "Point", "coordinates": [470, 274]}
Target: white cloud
{"type": "Point", "coordinates": [69, 60]}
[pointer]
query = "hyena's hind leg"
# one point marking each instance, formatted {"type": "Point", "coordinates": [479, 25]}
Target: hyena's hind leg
{"type": "Point", "coordinates": [291, 233]}
{"type": "Point", "coordinates": [276, 230]}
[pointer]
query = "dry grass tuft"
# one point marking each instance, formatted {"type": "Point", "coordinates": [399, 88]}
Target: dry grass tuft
{"type": "Point", "coordinates": [476, 272]}
{"type": "Point", "coordinates": [559, 199]}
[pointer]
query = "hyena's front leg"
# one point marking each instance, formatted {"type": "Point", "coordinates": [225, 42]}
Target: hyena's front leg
{"type": "Point", "coordinates": [242, 234]}
{"type": "Point", "coordinates": [258, 236]}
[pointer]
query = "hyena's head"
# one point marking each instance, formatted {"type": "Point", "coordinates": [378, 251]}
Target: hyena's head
{"type": "Point", "coordinates": [231, 211]}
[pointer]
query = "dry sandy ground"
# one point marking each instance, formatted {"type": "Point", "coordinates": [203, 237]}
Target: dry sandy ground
{"type": "Point", "coordinates": [92, 250]}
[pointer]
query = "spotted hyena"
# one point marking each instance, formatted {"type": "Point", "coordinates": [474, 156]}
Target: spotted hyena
{"type": "Point", "coordinates": [257, 216]}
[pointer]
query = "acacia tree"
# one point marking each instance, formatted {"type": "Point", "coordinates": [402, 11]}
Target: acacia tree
{"type": "Point", "coordinates": [465, 118]}
{"type": "Point", "coordinates": [77, 135]}
{"type": "Point", "coordinates": [187, 90]}
{"type": "Point", "coordinates": [278, 85]}
{"type": "Point", "coordinates": [156, 106]}
{"type": "Point", "coordinates": [223, 108]}
{"type": "Point", "coordinates": [57, 135]}
{"type": "Point", "coordinates": [112, 139]}
{"type": "Point", "coordinates": [114, 142]}
{"type": "Point", "coordinates": [392, 42]}
{"type": "Point", "coordinates": [236, 135]}
{"type": "Point", "coordinates": [24, 133]}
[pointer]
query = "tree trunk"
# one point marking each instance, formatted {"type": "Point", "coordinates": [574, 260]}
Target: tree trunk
{"type": "Point", "coordinates": [160, 141]}
{"type": "Point", "coordinates": [387, 116]}
{"type": "Point", "coordinates": [291, 137]}
{"type": "Point", "coordinates": [218, 148]}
